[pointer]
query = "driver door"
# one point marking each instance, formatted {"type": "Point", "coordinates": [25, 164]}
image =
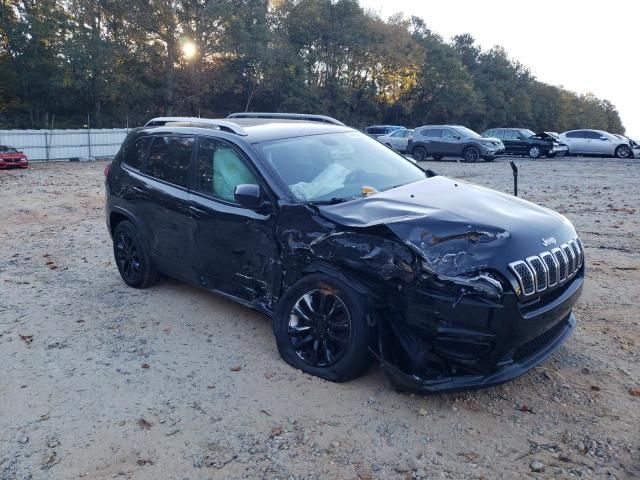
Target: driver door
{"type": "Point", "coordinates": [450, 142]}
{"type": "Point", "coordinates": [234, 247]}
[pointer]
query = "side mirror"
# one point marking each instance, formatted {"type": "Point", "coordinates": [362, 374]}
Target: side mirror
{"type": "Point", "coordinates": [248, 196]}
{"type": "Point", "coordinates": [457, 137]}
{"type": "Point", "coordinates": [604, 138]}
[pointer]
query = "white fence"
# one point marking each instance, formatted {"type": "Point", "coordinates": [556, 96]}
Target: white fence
{"type": "Point", "coordinates": [65, 144]}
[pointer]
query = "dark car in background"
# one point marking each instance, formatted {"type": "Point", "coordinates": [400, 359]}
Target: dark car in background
{"type": "Point", "coordinates": [11, 157]}
{"type": "Point", "coordinates": [348, 246]}
{"type": "Point", "coordinates": [440, 141]}
{"type": "Point", "coordinates": [379, 130]}
{"type": "Point", "coordinates": [522, 141]}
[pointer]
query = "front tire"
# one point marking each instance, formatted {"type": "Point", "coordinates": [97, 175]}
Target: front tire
{"type": "Point", "coordinates": [623, 151]}
{"type": "Point", "coordinates": [419, 154]}
{"type": "Point", "coordinates": [320, 325]}
{"type": "Point", "coordinates": [131, 256]}
{"type": "Point", "coordinates": [471, 154]}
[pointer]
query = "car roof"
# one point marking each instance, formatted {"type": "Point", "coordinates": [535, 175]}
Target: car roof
{"type": "Point", "coordinates": [440, 126]}
{"type": "Point", "coordinates": [253, 130]}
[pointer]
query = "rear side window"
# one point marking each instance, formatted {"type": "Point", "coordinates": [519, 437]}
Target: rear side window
{"type": "Point", "coordinates": [134, 157]}
{"type": "Point", "coordinates": [169, 159]}
{"type": "Point", "coordinates": [220, 169]}
{"type": "Point", "coordinates": [574, 135]}
{"type": "Point", "coordinates": [432, 132]}
{"type": "Point", "coordinates": [375, 130]}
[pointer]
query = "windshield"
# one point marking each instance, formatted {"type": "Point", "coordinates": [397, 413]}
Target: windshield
{"type": "Point", "coordinates": [467, 133]}
{"type": "Point", "coordinates": [337, 166]}
{"type": "Point", "coordinates": [526, 133]}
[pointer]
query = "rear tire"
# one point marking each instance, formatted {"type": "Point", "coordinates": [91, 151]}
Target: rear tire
{"type": "Point", "coordinates": [320, 325]}
{"type": "Point", "coordinates": [471, 154]}
{"type": "Point", "coordinates": [419, 154]}
{"type": "Point", "coordinates": [131, 256]}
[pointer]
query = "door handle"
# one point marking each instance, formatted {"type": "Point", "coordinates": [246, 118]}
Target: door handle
{"type": "Point", "coordinates": [198, 212]}
{"type": "Point", "coordinates": [137, 189]}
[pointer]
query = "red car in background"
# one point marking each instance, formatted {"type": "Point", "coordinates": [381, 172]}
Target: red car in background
{"type": "Point", "coordinates": [12, 157]}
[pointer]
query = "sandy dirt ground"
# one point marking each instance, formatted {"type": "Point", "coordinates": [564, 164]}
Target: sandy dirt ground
{"type": "Point", "coordinates": [99, 380]}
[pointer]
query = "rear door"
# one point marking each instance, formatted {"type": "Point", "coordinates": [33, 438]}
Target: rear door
{"type": "Point", "coordinates": [235, 248]}
{"type": "Point", "coordinates": [576, 141]}
{"type": "Point", "coordinates": [165, 208]}
{"type": "Point", "coordinates": [432, 137]}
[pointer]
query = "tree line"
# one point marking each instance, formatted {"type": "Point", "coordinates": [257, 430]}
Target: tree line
{"type": "Point", "coordinates": [64, 63]}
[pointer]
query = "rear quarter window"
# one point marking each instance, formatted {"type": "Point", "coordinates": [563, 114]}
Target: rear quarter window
{"type": "Point", "coordinates": [134, 156]}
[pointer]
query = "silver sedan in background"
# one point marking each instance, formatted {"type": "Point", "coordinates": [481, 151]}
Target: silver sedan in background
{"type": "Point", "coordinates": [596, 142]}
{"type": "Point", "coordinates": [397, 140]}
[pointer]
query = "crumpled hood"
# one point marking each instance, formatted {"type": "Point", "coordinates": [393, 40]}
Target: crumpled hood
{"type": "Point", "coordinates": [456, 227]}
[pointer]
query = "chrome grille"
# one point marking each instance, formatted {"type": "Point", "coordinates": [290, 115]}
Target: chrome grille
{"type": "Point", "coordinates": [539, 272]}
{"type": "Point", "coordinates": [525, 277]}
{"type": "Point", "coordinates": [561, 258]}
{"type": "Point", "coordinates": [571, 261]}
{"type": "Point", "coordinates": [552, 267]}
{"type": "Point", "coordinates": [548, 269]}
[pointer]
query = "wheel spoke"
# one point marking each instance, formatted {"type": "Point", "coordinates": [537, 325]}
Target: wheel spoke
{"type": "Point", "coordinates": [331, 336]}
{"type": "Point", "coordinates": [300, 314]}
{"type": "Point", "coordinates": [314, 352]}
{"type": "Point", "coordinates": [299, 331]}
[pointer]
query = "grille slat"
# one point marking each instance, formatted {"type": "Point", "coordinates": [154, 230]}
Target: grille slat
{"type": "Point", "coordinates": [552, 267]}
{"type": "Point", "coordinates": [548, 269]}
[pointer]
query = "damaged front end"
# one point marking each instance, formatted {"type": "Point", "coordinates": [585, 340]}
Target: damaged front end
{"type": "Point", "coordinates": [450, 314]}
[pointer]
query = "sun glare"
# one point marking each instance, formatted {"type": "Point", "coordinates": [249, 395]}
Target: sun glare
{"type": "Point", "coordinates": [188, 50]}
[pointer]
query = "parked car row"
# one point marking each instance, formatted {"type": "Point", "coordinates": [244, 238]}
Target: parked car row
{"type": "Point", "coordinates": [438, 141]}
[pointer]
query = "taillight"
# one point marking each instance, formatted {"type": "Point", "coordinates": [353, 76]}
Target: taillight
{"type": "Point", "coordinates": [106, 169]}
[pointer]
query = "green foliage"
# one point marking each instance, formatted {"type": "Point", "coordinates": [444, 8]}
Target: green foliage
{"type": "Point", "coordinates": [124, 60]}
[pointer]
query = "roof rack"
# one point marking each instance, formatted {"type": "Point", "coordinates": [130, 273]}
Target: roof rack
{"type": "Point", "coordinates": [288, 116]}
{"type": "Point", "coordinates": [195, 121]}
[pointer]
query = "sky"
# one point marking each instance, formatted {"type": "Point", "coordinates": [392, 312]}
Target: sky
{"type": "Point", "coordinates": [584, 46]}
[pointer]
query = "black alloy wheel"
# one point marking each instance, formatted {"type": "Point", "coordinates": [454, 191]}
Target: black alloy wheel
{"type": "Point", "coordinates": [133, 262]}
{"type": "Point", "coordinates": [319, 328]}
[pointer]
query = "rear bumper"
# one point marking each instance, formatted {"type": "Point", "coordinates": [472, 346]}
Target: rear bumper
{"type": "Point", "coordinates": [475, 346]}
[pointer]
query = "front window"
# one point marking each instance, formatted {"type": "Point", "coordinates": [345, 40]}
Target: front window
{"type": "Point", "coordinates": [467, 133]}
{"type": "Point", "coordinates": [526, 133]}
{"type": "Point", "coordinates": [337, 166]}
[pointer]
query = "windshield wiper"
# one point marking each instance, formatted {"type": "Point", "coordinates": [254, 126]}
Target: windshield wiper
{"type": "Point", "coordinates": [331, 201]}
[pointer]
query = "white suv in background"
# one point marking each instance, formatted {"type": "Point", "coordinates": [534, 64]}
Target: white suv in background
{"type": "Point", "coordinates": [596, 142]}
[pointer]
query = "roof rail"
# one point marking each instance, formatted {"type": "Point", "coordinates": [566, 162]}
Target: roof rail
{"type": "Point", "coordinates": [195, 121]}
{"type": "Point", "coordinates": [288, 116]}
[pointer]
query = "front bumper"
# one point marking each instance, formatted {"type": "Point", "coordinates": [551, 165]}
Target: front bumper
{"type": "Point", "coordinates": [492, 151]}
{"type": "Point", "coordinates": [19, 163]}
{"type": "Point", "coordinates": [477, 346]}
{"type": "Point", "coordinates": [559, 148]}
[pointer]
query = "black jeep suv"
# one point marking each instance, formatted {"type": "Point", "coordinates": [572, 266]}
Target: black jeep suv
{"type": "Point", "coordinates": [352, 250]}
